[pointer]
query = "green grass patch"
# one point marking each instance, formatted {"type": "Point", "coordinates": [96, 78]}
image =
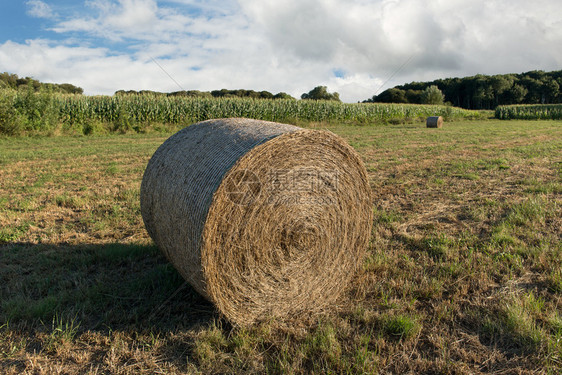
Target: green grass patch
{"type": "Point", "coordinates": [400, 326]}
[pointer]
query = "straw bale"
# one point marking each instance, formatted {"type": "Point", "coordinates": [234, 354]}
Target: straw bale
{"type": "Point", "coordinates": [434, 122]}
{"type": "Point", "coordinates": [265, 220]}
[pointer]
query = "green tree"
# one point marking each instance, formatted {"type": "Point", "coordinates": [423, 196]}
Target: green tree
{"type": "Point", "coordinates": [500, 86]}
{"type": "Point", "coordinates": [413, 96]}
{"type": "Point", "coordinates": [516, 94]}
{"type": "Point", "coordinates": [10, 80]}
{"type": "Point", "coordinates": [393, 95]}
{"type": "Point", "coordinates": [282, 95]}
{"type": "Point", "coordinates": [266, 95]}
{"type": "Point", "coordinates": [70, 88]}
{"type": "Point", "coordinates": [432, 95]}
{"type": "Point", "coordinates": [534, 89]}
{"type": "Point", "coordinates": [482, 91]}
{"type": "Point", "coordinates": [551, 89]}
{"type": "Point", "coordinates": [321, 93]}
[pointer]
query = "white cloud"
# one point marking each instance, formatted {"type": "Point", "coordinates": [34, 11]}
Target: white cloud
{"type": "Point", "coordinates": [115, 21]}
{"type": "Point", "coordinates": [39, 9]}
{"type": "Point", "coordinates": [439, 38]}
{"type": "Point", "coordinates": [144, 20]}
{"type": "Point", "coordinates": [290, 45]}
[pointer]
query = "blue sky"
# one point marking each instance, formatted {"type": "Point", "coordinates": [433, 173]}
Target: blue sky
{"type": "Point", "coordinates": [352, 46]}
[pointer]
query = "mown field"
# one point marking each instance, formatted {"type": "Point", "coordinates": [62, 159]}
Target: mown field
{"type": "Point", "coordinates": [463, 273]}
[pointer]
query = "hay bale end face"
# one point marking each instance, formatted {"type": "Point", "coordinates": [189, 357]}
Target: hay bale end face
{"type": "Point", "coordinates": [434, 122]}
{"type": "Point", "coordinates": [265, 220]}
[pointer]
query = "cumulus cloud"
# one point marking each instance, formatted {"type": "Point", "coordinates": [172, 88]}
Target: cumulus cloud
{"type": "Point", "coordinates": [39, 9]}
{"type": "Point", "coordinates": [362, 36]}
{"type": "Point", "coordinates": [146, 21]}
{"type": "Point", "coordinates": [124, 19]}
{"type": "Point", "coordinates": [442, 36]}
{"type": "Point", "coordinates": [352, 47]}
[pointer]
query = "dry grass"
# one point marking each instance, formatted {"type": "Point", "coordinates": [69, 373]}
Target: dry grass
{"type": "Point", "coordinates": [462, 274]}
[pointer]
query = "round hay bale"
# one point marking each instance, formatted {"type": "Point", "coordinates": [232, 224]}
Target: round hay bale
{"type": "Point", "coordinates": [265, 220]}
{"type": "Point", "coordinates": [434, 122]}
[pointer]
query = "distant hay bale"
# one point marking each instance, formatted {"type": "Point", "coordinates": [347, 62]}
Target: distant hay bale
{"type": "Point", "coordinates": [265, 220]}
{"type": "Point", "coordinates": [434, 122]}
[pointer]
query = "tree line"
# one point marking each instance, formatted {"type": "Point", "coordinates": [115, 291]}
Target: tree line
{"type": "Point", "coordinates": [483, 91]}
{"type": "Point", "coordinates": [223, 93]}
{"type": "Point", "coordinates": [317, 93]}
{"type": "Point", "coordinates": [12, 81]}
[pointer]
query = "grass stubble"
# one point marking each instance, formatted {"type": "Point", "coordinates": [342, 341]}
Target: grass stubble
{"type": "Point", "coordinates": [463, 273]}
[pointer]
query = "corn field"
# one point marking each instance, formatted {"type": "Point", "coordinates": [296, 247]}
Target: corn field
{"type": "Point", "coordinates": [529, 112]}
{"type": "Point", "coordinates": [29, 112]}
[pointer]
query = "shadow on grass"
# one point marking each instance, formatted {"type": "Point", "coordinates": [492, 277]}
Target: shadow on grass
{"type": "Point", "coordinates": [100, 287]}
